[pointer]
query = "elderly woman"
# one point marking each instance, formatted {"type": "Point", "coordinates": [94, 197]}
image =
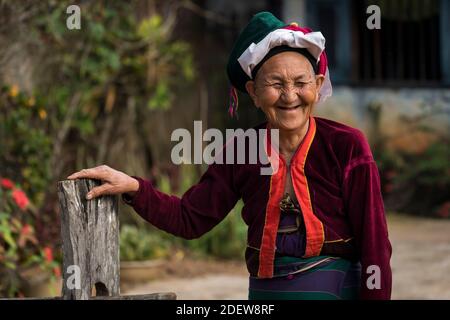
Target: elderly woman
{"type": "Point", "coordinates": [316, 226]}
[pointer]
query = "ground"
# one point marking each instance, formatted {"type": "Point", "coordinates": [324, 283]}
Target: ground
{"type": "Point", "coordinates": [420, 265]}
{"type": "Point", "coordinates": [421, 258]}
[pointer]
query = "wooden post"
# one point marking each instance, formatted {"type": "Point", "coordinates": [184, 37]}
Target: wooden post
{"type": "Point", "coordinates": [90, 239]}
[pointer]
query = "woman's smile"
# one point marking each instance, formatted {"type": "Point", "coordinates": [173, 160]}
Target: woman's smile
{"type": "Point", "coordinates": [286, 89]}
{"type": "Point", "coordinates": [289, 109]}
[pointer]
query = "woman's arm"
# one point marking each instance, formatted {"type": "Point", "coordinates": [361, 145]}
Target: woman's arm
{"type": "Point", "coordinates": [365, 208]}
{"type": "Point", "coordinates": [201, 208]}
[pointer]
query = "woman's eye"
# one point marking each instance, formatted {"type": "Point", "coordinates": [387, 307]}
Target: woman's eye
{"type": "Point", "coordinates": [276, 84]}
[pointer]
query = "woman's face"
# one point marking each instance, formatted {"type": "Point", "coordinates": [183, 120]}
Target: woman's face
{"type": "Point", "coordinates": [286, 89]}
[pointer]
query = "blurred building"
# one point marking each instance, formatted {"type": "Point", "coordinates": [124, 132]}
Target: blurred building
{"type": "Point", "coordinates": [401, 69]}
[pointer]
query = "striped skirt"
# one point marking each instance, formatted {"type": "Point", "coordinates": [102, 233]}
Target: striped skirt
{"type": "Point", "coordinates": [315, 278]}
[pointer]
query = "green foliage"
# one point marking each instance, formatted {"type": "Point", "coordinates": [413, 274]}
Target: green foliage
{"type": "Point", "coordinates": [150, 28]}
{"type": "Point", "coordinates": [19, 247]}
{"type": "Point", "coordinates": [429, 169]}
{"type": "Point", "coordinates": [137, 244]}
{"type": "Point", "coordinates": [25, 145]}
{"type": "Point", "coordinates": [414, 182]}
{"type": "Point", "coordinates": [113, 49]}
{"type": "Point", "coordinates": [227, 240]}
{"type": "Point", "coordinates": [83, 80]}
{"type": "Point", "coordinates": [161, 97]}
{"type": "Point", "coordinates": [425, 180]}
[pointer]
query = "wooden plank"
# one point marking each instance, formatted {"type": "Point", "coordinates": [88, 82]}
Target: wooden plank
{"type": "Point", "coordinates": [90, 238]}
{"type": "Point", "coordinates": [151, 296]}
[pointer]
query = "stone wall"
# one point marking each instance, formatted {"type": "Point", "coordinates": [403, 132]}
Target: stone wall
{"type": "Point", "coordinates": [351, 106]}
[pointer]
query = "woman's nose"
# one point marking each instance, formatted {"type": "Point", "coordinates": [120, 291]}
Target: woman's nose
{"type": "Point", "coordinates": [289, 95]}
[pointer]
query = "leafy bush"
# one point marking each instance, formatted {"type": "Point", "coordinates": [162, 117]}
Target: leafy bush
{"type": "Point", "coordinates": [81, 82]}
{"type": "Point", "coordinates": [25, 145]}
{"type": "Point", "coordinates": [419, 183]}
{"type": "Point", "coordinates": [414, 182]}
{"type": "Point", "coordinates": [227, 240]}
{"type": "Point", "coordinates": [137, 244]}
{"type": "Point", "coordinates": [19, 247]}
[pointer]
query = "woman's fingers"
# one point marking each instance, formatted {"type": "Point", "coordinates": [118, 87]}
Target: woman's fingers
{"type": "Point", "coordinates": [93, 173]}
{"type": "Point", "coordinates": [114, 181]}
{"type": "Point", "coordinates": [98, 191]}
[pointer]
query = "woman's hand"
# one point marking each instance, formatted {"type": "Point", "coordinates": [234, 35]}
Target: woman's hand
{"type": "Point", "coordinates": [114, 182]}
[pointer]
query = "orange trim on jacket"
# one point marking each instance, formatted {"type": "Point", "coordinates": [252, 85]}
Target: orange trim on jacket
{"type": "Point", "coordinates": [314, 228]}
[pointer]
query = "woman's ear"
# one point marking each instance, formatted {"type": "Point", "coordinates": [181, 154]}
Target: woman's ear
{"type": "Point", "coordinates": [320, 78]}
{"type": "Point", "coordinates": [250, 87]}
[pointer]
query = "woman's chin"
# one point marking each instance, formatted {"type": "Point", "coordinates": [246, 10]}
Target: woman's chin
{"type": "Point", "coordinates": [290, 124]}
{"type": "Point", "coordinates": [291, 120]}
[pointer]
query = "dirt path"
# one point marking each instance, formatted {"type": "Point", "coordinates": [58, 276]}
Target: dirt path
{"type": "Point", "coordinates": [199, 280]}
{"type": "Point", "coordinates": [421, 258]}
{"type": "Point", "coordinates": [420, 264]}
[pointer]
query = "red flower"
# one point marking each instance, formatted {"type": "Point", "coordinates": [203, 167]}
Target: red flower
{"type": "Point", "coordinates": [57, 271]}
{"type": "Point", "coordinates": [6, 183]}
{"type": "Point", "coordinates": [26, 230]}
{"type": "Point", "coordinates": [48, 254]}
{"type": "Point", "coordinates": [20, 198]}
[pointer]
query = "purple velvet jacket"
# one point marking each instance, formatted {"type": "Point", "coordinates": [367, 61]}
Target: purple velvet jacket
{"type": "Point", "coordinates": [336, 182]}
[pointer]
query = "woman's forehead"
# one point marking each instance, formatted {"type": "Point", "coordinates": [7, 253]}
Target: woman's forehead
{"type": "Point", "coordinates": [286, 64]}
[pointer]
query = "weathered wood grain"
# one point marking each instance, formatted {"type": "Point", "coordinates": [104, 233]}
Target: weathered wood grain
{"type": "Point", "coordinates": [90, 239]}
{"type": "Point", "coordinates": [150, 296]}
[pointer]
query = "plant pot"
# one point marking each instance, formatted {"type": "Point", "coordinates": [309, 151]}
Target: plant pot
{"type": "Point", "coordinates": [39, 283]}
{"type": "Point", "coordinates": [141, 271]}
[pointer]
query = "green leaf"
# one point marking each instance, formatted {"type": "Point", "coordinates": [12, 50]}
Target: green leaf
{"type": "Point", "coordinates": [9, 239]}
{"type": "Point", "coordinates": [161, 97]}
{"type": "Point", "coordinates": [149, 27]}
{"type": "Point", "coordinates": [96, 30]}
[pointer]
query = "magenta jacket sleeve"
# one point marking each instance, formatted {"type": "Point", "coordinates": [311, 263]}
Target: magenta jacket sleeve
{"type": "Point", "coordinates": [201, 208]}
{"type": "Point", "coordinates": [367, 217]}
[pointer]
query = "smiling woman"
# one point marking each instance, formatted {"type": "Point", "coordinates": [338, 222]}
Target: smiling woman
{"type": "Point", "coordinates": [286, 89]}
{"type": "Point", "coordinates": [316, 226]}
